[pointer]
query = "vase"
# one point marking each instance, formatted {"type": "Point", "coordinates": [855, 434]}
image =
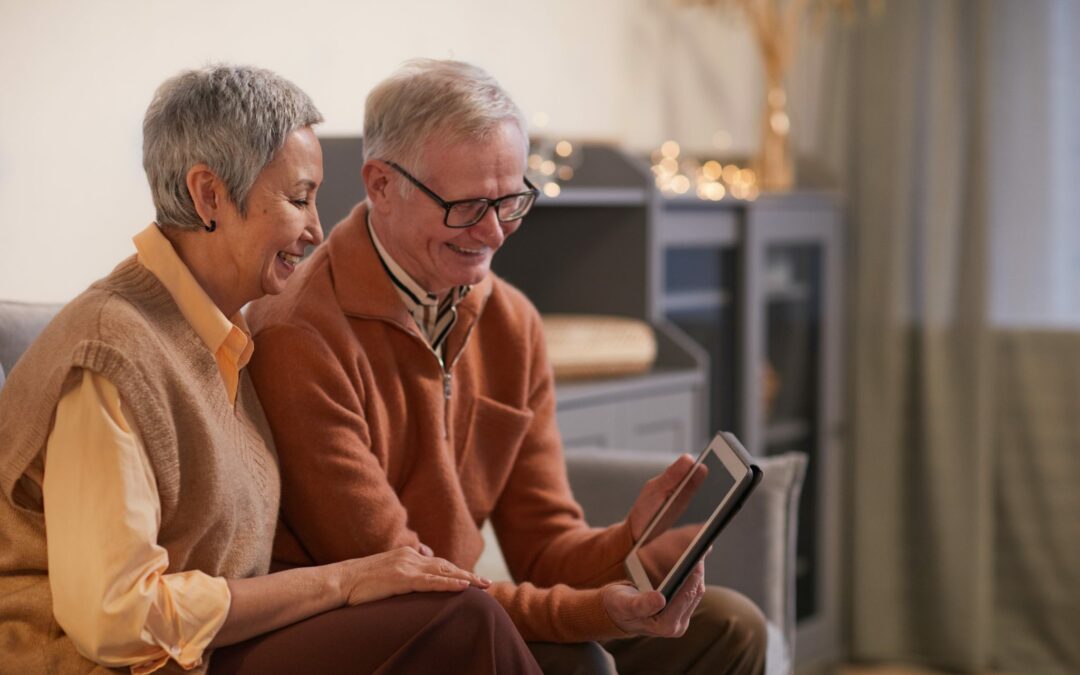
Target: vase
{"type": "Point", "coordinates": [774, 165]}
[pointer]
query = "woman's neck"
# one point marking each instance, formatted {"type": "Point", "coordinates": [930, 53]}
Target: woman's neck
{"type": "Point", "coordinates": [208, 261]}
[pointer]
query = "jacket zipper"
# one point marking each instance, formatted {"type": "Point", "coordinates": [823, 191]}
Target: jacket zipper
{"type": "Point", "coordinates": [446, 404]}
{"type": "Point", "coordinates": [447, 375]}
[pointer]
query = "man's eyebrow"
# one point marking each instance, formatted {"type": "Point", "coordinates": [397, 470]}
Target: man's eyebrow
{"type": "Point", "coordinates": [307, 183]}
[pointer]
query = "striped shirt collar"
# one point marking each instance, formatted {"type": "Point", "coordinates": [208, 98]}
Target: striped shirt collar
{"type": "Point", "coordinates": [434, 318]}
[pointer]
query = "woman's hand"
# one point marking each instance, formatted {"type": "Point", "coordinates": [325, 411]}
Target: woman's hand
{"type": "Point", "coordinates": [262, 604]}
{"type": "Point", "coordinates": [402, 570]}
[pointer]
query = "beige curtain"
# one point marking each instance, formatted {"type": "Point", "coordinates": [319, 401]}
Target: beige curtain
{"type": "Point", "coordinates": [1037, 501]}
{"type": "Point", "coordinates": [965, 442]}
{"type": "Point", "coordinates": [921, 526]}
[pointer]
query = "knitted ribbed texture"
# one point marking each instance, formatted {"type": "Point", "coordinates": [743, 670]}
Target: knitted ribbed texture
{"type": "Point", "coordinates": [215, 469]}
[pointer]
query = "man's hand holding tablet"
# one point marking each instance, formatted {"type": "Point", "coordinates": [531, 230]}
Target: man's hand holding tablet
{"type": "Point", "coordinates": [640, 613]}
{"type": "Point", "coordinates": [647, 613]}
{"type": "Point", "coordinates": [684, 508]}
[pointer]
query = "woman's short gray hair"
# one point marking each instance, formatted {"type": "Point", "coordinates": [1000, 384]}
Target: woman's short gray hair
{"type": "Point", "coordinates": [427, 98]}
{"type": "Point", "coordinates": [232, 118]}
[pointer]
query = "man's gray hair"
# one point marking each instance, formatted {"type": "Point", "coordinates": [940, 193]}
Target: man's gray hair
{"type": "Point", "coordinates": [232, 118]}
{"type": "Point", "coordinates": [427, 98]}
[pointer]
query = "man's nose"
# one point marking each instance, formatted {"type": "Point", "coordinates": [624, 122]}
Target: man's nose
{"type": "Point", "coordinates": [488, 229]}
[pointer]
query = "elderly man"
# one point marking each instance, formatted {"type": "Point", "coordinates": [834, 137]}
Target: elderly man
{"type": "Point", "coordinates": [410, 396]}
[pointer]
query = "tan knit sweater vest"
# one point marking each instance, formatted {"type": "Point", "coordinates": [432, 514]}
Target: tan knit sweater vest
{"type": "Point", "coordinates": [216, 471]}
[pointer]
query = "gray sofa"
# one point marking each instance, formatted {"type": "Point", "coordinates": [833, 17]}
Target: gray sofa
{"type": "Point", "coordinates": [755, 554]}
{"type": "Point", "coordinates": [20, 322]}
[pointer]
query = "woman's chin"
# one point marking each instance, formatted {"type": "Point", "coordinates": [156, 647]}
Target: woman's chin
{"type": "Point", "coordinates": [277, 277]}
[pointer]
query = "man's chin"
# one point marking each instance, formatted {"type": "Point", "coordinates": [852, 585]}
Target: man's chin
{"type": "Point", "coordinates": [473, 275]}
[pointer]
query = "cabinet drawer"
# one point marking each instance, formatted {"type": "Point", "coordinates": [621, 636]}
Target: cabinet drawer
{"type": "Point", "coordinates": [659, 422]}
{"type": "Point", "coordinates": [662, 422]}
{"type": "Point", "coordinates": [588, 426]}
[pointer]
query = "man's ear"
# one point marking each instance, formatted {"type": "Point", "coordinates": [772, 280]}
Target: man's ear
{"type": "Point", "coordinates": [377, 183]}
{"type": "Point", "coordinates": [205, 189]}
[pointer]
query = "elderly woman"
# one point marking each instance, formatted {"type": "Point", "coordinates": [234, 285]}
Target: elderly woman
{"type": "Point", "coordinates": [130, 433]}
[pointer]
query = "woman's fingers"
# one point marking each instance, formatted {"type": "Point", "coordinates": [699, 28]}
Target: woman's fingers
{"type": "Point", "coordinates": [447, 569]}
{"type": "Point", "coordinates": [404, 570]}
{"type": "Point", "coordinates": [436, 582]}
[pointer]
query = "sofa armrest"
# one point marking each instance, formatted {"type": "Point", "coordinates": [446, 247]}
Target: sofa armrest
{"type": "Point", "coordinates": [755, 554]}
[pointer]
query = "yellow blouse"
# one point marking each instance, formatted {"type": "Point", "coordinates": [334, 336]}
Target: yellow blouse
{"type": "Point", "coordinates": [111, 594]}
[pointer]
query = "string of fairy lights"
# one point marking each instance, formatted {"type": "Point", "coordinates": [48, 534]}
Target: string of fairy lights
{"type": "Point", "coordinates": [709, 179]}
{"type": "Point", "coordinates": [553, 162]}
{"type": "Point", "coordinates": [549, 167]}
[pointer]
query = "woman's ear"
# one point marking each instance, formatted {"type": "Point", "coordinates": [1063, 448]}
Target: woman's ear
{"type": "Point", "coordinates": [205, 189]}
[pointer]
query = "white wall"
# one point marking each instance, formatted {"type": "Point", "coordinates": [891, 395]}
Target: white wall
{"type": "Point", "coordinates": [77, 75]}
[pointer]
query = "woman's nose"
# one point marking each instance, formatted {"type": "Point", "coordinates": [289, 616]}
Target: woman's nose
{"type": "Point", "coordinates": [314, 229]}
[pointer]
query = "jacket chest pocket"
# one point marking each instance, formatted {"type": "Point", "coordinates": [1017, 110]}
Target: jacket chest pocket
{"type": "Point", "coordinates": [492, 442]}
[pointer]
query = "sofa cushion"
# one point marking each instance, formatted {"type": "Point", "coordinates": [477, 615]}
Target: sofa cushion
{"type": "Point", "coordinates": [20, 323]}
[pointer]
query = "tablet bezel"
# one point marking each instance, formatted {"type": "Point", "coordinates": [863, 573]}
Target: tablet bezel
{"type": "Point", "coordinates": [738, 463]}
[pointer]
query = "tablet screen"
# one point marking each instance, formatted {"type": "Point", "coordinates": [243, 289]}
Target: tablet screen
{"type": "Point", "coordinates": [686, 516]}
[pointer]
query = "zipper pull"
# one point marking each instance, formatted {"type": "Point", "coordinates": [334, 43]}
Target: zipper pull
{"type": "Point", "coordinates": [446, 404]}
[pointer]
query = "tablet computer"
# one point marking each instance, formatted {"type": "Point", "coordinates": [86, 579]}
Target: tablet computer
{"type": "Point", "coordinates": [686, 524]}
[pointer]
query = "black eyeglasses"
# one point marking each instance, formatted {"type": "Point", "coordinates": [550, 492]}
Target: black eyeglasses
{"type": "Point", "coordinates": [468, 212]}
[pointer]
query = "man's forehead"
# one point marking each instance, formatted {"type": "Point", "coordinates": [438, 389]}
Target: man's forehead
{"type": "Point", "coordinates": [493, 148]}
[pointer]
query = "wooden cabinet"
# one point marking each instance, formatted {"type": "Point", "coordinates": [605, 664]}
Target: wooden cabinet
{"type": "Point", "coordinates": [757, 285]}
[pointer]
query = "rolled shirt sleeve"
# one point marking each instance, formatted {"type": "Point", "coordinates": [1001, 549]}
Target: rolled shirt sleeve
{"type": "Point", "coordinates": [111, 593]}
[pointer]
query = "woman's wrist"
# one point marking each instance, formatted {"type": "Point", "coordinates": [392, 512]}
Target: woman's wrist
{"type": "Point", "coordinates": [334, 583]}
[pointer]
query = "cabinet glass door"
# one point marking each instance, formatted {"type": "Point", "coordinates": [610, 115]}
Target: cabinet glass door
{"type": "Point", "coordinates": [699, 292]}
{"type": "Point", "coordinates": [791, 285]}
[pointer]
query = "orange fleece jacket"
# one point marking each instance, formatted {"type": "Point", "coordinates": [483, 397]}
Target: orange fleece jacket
{"type": "Point", "coordinates": [375, 455]}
